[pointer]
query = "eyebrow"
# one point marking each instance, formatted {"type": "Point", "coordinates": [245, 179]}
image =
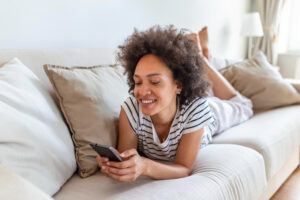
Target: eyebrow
{"type": "Point", "coordinates": [149, 75]}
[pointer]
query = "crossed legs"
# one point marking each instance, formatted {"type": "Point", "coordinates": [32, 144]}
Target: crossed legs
{"type": "Point", "coordinates": [221, 87]}
{"type": "Point", "coordinates": [228, 106]}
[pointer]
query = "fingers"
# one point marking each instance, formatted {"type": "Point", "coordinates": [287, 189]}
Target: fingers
{"type": "Point", "coordinates": [120, 172]}
{"type": "Point", "coordinates": [122, 178]}
{"type": "Point", "coordinates": [115, 150]}
{"type": "Point", "coordinates": [121, 175]}
{"type": "Point", "coordinates": [129, 153]}
{"type": "Point", "coordinates": [125, 171]}
{"type": "Point", "coordinates": [125, 164]}
{"type": "Point", "coordinates": [101, 160]}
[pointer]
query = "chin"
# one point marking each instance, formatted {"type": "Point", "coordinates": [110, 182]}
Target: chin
{"type": "Point", "coordinates": [147, 112]}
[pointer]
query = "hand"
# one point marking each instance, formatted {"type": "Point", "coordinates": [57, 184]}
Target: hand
{"type": "Point", "coordinates": [102, 161]}
{"type": "Point", "coordinates": [128, 170]}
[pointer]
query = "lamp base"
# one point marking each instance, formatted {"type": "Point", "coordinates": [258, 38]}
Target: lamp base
{"type": "Point", "coordinates": [250, 47]}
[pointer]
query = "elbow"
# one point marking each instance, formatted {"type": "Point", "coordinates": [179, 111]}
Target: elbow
{"type": "Point", "coordinates": [186, 171]}
{"type": "Point", "coordinates": [183, 170]}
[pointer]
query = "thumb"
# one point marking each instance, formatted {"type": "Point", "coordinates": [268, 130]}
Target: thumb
{"type": "Point", "coordinates": [115, 150]}
{"type": "Point", "coordinates": [128, 153]}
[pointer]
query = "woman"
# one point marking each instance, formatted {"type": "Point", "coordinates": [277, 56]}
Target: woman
{"type": "Point", "coordinates": [168, 116]}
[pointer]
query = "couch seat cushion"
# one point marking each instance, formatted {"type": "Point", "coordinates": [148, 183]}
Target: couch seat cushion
{"type": "Point", "coordinates": [220, 172]}
{"type": "Point", "coordinates": [273, 133]}
{"type": "Point", "coordinates": [14, 187]}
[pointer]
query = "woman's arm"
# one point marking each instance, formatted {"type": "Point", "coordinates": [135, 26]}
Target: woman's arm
{"type": "Point", "coordinates": [127, 139]}
{"type": "Point", "coordinates": [185, 157]}
{"type": "Point", "coordinates": [135, 165]}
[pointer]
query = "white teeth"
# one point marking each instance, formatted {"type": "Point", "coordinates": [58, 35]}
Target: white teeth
{"type": "Point", "coordinates": [147, 101]}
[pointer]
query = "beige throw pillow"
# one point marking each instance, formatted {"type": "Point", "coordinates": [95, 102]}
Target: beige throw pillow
{"type": "Point", "coordinates": [90, 99]}
{"type": "Point", "coordinates": [258, 80]}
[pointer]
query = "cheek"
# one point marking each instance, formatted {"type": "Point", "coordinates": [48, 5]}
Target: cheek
{"type": "Point", "coordinates": [165, 94]}
{"type": "Point", "coordinates": [135, 92]}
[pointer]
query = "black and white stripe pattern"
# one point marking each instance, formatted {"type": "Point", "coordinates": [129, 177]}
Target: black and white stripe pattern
{"type": "Point", "coordinates": [190, 118]}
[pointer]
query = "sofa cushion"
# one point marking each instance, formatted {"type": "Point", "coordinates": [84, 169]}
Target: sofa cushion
{"type": "Point", "coordinates": [90, 98]}
{"type": "Point", "coordinates": [261, 82]}
{"type": "Point", "coordinates": [34, 141]}
{"type": "Point", "coordinates": [220, 172]}
{"type": "Point", "coordinates": [14, 187]}
{"type": "Point", "coordinates": [273, 133]}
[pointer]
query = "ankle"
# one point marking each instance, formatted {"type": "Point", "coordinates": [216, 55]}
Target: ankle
{"type": "Point", "coordinates": [206, 53]}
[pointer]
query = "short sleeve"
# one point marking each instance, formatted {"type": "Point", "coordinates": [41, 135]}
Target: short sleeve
{"type": "Point", "coordinates": [199, 115]}
{"type": "Point", "coordinates": [130, 107]}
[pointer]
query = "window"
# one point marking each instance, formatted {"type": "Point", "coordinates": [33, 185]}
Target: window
{"type": "Point", "coordinates": [289, 30]}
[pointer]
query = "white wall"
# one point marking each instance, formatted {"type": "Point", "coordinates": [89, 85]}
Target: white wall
{"type": "Point", "coordinates": [61, 24]}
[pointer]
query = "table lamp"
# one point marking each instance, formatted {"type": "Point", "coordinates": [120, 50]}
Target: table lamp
{"type": "Point", "coordinates": [251, 27]}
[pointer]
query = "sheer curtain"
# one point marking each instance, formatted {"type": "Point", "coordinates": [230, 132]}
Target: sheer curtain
{"type": "Point", "coordinates": [289, 29]}
{"type": "Point", "coordinates": [270, 12]}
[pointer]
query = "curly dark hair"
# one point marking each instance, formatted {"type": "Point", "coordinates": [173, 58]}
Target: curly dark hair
{"type": "Point", "coordinates": [179, 52]}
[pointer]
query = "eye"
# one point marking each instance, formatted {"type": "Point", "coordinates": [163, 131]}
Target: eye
{"type": "Point", "coordinates": [137, 83]}
{"type": "Point", "coordinates": [155, 82]}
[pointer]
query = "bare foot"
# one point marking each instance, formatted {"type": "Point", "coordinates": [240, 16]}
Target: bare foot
{"type": "Point", "coordinates": [194, 37]}
{"type": "Point", "coordinates": [203, 37]}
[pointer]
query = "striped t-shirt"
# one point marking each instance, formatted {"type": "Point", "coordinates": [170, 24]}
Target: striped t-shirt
{"type": "Point", "coordinates": [188, 119]}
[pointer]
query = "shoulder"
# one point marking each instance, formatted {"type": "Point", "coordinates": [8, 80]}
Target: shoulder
{"type": "Point", "coordinates": [130, 104]}
{"type": "Point", "coordinates": [131, 108]}
{"type": "Point", "coordinates": [196, 105]}
{"type": "Point", "coordinates": [131, 100]}
{"type": "Point", "coordinates": [196, 115]}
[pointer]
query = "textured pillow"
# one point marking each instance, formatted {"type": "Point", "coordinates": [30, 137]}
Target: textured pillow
{"type": "Point", "coordinates": [258, 80]}
{"type": "Point", "coordinates": [90, 98]}
{"type": "Point", "coordinates": [35, 141]}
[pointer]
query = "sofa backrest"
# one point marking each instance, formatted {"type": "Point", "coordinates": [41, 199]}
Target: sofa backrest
{"type": "Point", "coordinates": [35, 59]}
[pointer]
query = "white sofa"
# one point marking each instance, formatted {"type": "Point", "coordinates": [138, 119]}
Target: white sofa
{"type": "Point", "coordinates": [247, 162]}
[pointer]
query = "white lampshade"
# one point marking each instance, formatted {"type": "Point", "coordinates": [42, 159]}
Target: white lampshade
{"type": "Point", "coordinates": [251, 25]}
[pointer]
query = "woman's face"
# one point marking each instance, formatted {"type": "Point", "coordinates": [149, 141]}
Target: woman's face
{"type": "Point", "coordinates": [155, 88]}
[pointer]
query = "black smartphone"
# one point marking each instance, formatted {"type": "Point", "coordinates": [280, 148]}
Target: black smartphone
{"type": "Point", "coordinates": [106, 151]}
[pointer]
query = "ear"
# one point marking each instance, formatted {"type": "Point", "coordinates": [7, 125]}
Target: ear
{"type": "Point", "coordinates": [179, 87]}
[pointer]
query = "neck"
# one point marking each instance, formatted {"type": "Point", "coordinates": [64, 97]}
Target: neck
{"type": "Point", "coordinates": [166, 116]}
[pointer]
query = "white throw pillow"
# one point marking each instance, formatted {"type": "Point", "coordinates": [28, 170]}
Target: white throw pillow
{"type": "Point", "coordinates": [34, 141]}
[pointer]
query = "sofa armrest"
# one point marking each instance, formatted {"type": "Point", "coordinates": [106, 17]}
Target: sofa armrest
{"type": "Point", "coordinates": [15, 187]}
{"type": "Point", "coordinates": [295, 83]}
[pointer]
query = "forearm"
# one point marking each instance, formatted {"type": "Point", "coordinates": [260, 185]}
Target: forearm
{"type": "Point", "coordinates": [158, 170]}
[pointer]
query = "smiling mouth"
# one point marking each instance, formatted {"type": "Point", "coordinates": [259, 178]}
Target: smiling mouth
{"type": "Point", "coordinates": [147, 101]}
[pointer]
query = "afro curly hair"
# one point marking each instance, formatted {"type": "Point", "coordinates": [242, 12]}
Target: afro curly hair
{"type": "Point", "coordinates": [176, 49]}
